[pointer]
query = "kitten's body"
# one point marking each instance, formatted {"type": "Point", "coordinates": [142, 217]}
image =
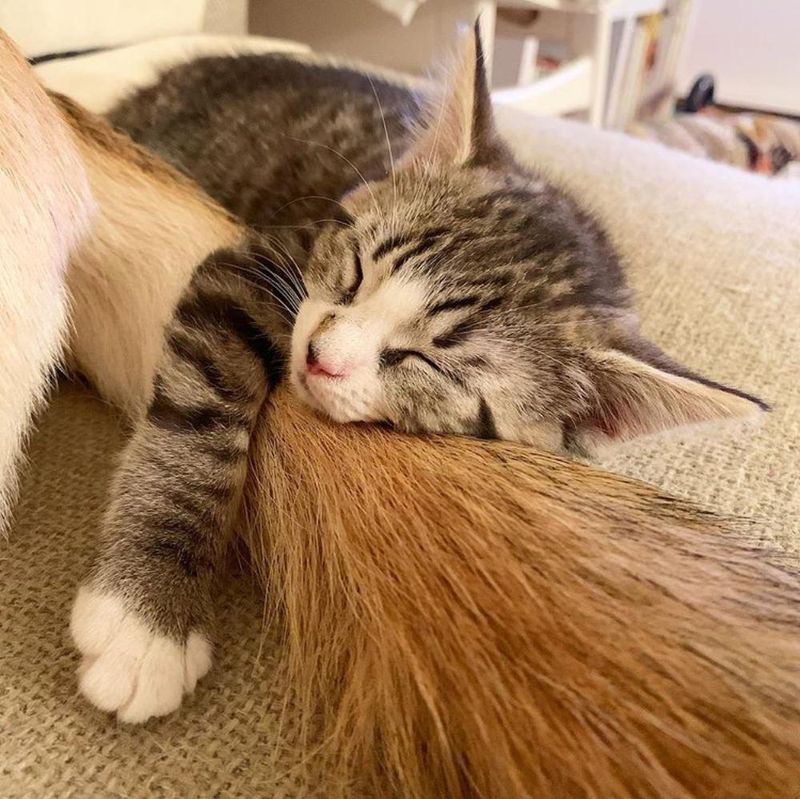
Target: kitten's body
{"type": "Point", "coordinates": [483, 300]}
{"type": "Point", "coordinates": [278, 141]}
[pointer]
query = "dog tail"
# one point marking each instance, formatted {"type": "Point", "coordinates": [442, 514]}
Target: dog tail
{"type": "Point", "coordinates": [474, 619]}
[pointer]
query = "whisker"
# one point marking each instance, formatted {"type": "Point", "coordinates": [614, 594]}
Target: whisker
{"type": "Point", "coordinates": [346, 160]}
{"type": "Point", "coordinates": [277, 299]}
{"type": "Point", "coordinates": [291, 270]}
{"type": "Point", "coordinates": [261, 276]}
{"type": "Point", "coordinates": [391, 153]}
{"type": "Point", "coordinates": [294, 278]}
{"type": "Point", "coordinates": [305, 225]}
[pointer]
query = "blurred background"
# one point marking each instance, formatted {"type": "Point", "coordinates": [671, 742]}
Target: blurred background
{"type": "Point", "coordinates": [717, 78]}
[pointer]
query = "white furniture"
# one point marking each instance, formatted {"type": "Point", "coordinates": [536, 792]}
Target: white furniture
{"type": "Point", "coordinates": [600, 75]}
{"type": "Point", "coordinates": [600, 35]}
{"type": "Point", "coordinates": [604, 68]}
{"type": "Point", "coordinates": [750, 48]}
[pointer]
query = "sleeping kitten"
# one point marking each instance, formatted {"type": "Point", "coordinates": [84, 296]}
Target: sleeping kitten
{"type": "Point", "coordinates": [448, 290]}
{"type": "Point", "coordinates": [456, 291]}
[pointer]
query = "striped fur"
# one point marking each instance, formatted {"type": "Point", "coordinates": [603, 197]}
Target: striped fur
{"type": "Point", "coordinates": [188, 456]}
{"type": "Point", "coordinates": [419, 235]}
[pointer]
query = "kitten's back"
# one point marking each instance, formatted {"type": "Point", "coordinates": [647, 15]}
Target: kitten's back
{"type": "Point", "coordinates": [260, 131]}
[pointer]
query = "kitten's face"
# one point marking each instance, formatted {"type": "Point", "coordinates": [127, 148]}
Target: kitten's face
{"type": "Point", "coordinates": [442, 308]}
{"type": "Point", "coordinates": [466, 296]}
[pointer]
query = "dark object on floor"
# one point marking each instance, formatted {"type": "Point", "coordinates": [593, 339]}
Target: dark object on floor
{"type": "Point", "coordinates": [700, 95]}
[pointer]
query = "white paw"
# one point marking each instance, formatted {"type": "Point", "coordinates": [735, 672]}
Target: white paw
{"type": "Point", "coordinates": [127, 668]}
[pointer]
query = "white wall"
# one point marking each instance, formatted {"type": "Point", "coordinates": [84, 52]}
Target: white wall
{"type": "Point", "coordinates": [752, 47]}
{"type": "Point", "coordinates": [40, 27]}
{"type": "Point", "coordinates": [359, 29]}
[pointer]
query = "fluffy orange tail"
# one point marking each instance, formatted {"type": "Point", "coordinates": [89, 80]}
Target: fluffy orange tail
{"type": "Point", "coordinates": [467, 618]}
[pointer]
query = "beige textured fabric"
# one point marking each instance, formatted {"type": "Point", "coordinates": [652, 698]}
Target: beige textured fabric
{"type": "Point", "coordinates": [225, 742]}
{"type": "Point", "coordinates": [715, 258]}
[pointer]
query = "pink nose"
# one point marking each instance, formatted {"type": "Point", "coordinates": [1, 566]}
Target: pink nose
{"type": "Point", "coordinates": [320, 368]}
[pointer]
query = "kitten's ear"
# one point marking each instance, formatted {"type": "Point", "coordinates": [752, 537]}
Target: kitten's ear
{"type": "Point", "coordinates": [633, 396]}
{"type": "Point", "coordinates": [460, 127]}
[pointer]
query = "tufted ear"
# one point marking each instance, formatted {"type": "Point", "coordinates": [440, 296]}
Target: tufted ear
{"type": "Point", "coordinates": [460, 127]}
{"type": "Point", "coordinates": [639, 394]}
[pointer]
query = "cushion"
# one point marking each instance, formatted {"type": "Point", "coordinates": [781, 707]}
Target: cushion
{"type": "Point", "coordinates": [713, 255]}
{"type": "Point", "coordinates": [99, 80]}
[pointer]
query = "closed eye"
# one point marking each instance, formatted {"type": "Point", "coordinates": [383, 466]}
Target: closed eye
{"type": "Point", "coordinates": [358, 277]}
{"type": "Point", "coordinates": [394, 357]}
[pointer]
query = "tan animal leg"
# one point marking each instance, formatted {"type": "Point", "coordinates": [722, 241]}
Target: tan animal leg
{"type": "Point", "coordinates": [45, 204]}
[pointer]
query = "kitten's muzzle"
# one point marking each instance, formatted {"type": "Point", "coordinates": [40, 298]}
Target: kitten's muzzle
{"type": "Point", "coordinates": [321, 367]}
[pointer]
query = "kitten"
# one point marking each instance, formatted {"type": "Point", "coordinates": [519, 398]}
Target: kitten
{"type": "Point", "coordinates": [455, 293]}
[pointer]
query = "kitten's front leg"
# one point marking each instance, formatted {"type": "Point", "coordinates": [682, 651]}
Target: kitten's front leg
{"type": "Point", "coordinates": [142, 620]}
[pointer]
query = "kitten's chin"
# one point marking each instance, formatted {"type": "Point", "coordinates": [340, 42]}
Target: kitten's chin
{"type": "Point", "coordinates": [300, 387]}
{"type": "Point", "coordinates": [342, 411]}
{"type": "Point", "coordinates": [336, 402]}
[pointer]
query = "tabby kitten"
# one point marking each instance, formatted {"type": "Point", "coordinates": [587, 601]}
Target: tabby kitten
{"type": "Point", "coordinates": [448, 290]}
{"type": "Point", "coordinates": [456, 291]}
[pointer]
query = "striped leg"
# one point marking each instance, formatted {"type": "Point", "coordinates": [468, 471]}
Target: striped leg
{"type": "Point", "coordinates": [142, 620]}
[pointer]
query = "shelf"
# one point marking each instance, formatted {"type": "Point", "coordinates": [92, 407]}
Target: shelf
{"type": "Point", "coordinates": [615, 9]}
{"type": "Point", "coordinates": [563, 91]}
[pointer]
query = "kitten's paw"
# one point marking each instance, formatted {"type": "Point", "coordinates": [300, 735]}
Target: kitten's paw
{"type": "Point", "coordinates": [127, 668]}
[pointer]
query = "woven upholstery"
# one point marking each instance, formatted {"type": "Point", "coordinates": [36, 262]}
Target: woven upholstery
{"type": "Point", "coordinates": [715, 259]}
{"type": "Point", "coordinates": [224, 742]}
